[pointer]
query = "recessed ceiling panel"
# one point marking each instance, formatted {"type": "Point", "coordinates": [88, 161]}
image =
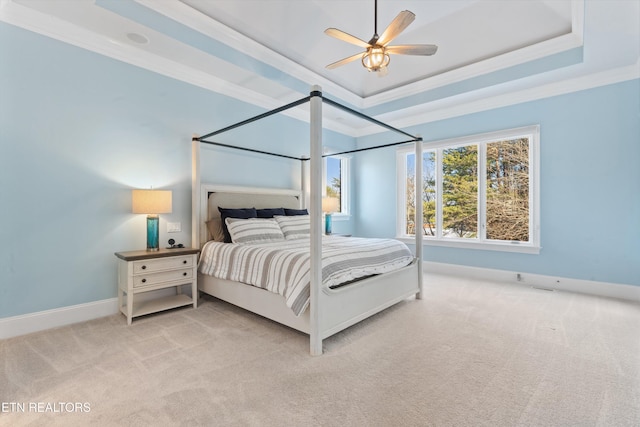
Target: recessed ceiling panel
{"type": "Point", "coordinates": [465, 32]}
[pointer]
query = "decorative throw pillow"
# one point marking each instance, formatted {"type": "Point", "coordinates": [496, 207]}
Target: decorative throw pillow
{"type": "Point", "coordinates": [293, 212]}
{"type": "Point", "coordinates": [294, 227]}
{"type": "Point", "coordinates": [254, 230]}
{"type": "Point", "coordinates": [234, 213]}
{"type": "Point", "coordinates": [214, 225]}
{"type": "Point", "coordinates": [270, 212]}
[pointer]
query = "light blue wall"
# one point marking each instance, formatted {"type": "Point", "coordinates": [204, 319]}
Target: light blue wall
{"type": "Point", "coordinates": [590, 180]}
{"type": "Point", "coordinates": [78, 132]}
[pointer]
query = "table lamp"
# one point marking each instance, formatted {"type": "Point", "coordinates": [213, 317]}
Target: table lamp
{"type": "Point", "coordinates": [152, 203]}
{"type": "Point", "coordinates": [329, 206]}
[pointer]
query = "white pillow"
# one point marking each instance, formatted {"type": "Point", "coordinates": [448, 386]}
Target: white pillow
{"type": "Point", "coordinates": [295, 226]}
{"type": "Point", "coordinates": [254, 230]}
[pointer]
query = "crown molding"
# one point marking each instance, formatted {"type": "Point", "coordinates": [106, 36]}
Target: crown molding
{"type": "Point", "coordinates": [540, 50]}
{"type": "Point", "coordinates": [487, 66]}
{"type": "Point", "coordinates": [442, 109]}
{"type": "Point", "coordinates": [197, 21]}
{"type": "Point", "coordinates": [194, 19]}
{"type": "Point", "coordinates": [28, 18]}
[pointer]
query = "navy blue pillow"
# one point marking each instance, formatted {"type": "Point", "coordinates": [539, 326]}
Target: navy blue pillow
{"type": "Point", "coordinates": [292, 212]}
{"type": "Point", "coordinates": [270, 212]}
{"type": "Point", "coordinates": [234, 213]}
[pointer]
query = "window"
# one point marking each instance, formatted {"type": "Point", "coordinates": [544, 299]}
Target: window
{"type": "Point", "coordinates": [478, 192]}
{"type": "Point", "coordinates": [336, 180]}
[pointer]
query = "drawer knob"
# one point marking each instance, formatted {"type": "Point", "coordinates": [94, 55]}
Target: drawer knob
{"type": "Point", "coordinates": [184, 262]}
{"type": "Point", "coordinates": [144, 267]}
{"type": "Point", "coordinates": [144, 280]}
{"type": "Point", "coordinates": [184, 274]}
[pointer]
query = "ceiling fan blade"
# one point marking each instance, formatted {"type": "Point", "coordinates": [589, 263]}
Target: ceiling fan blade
{"type": "Point", "coordinates": [413, 49]}
{"type": "Point", "coordinates": [345, 60]}
{"type": "Point", "coordinates": [397, 26]}
{"type": "Point", "coordinates": [346, 37]}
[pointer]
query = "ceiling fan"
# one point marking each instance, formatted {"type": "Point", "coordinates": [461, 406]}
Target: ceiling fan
{"type": "Point", "coordinates": [376, 56]}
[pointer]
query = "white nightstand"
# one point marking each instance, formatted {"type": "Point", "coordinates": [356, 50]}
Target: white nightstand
{"type": "Point", "coordinates": [144, 271]}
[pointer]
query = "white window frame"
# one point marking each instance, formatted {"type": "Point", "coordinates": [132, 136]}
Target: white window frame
{"type": "Point", "coordinates": [532, 246]}
{"type": "Point", "coordinates": [345, 161]}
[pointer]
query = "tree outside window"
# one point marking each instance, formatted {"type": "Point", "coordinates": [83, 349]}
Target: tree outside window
{"type": "Point", "coordinates": [479, 190]}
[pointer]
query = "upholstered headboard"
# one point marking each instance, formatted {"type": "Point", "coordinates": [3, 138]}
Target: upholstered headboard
{"type": "Point", "coordinates": [212, 197]}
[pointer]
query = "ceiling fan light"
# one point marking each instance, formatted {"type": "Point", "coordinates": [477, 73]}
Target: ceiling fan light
{"type": "Point", "coordinates": [375, 58]}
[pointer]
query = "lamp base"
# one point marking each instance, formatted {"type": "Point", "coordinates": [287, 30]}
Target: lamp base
{"type": "Point", "coordinates": [153, 233]}
{"type": "Point", "coordinates": [327, 224]}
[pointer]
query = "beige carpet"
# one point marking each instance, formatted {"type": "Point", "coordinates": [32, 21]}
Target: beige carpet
{"type": "Point", "coordinates": [470, 354]}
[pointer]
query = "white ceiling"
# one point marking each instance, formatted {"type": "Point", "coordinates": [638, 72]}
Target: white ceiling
{"type": "Point", "coordinates": [466, 31]}
{"type": "Point", "coordinates": [270, 52]}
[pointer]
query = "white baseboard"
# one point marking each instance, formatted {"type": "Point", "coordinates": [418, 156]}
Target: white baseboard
{"type": "Point", "coordinates": [41, 320]}
{"type": "Point", "coordinates": [48, 319]}
{"type": "Point", "coordinates": [604, 289]}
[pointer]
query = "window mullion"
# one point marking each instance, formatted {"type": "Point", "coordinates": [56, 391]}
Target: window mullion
{"type": "Point", "coordinates": [439, 213]}
{"type": "Point", "coordinates": [534, 187]}
{"type": "Point", "coordinates": [401, 211]}
{"type": "Point", "coordinates": [482, 193]}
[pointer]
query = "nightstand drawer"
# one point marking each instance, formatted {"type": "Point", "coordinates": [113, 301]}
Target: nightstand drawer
{"type": "Point", "coordinates": [162, 277]}
{"type": "Point", "coordinates": [161, 264]}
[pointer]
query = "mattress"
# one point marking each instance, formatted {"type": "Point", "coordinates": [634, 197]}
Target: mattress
{"type": "Point", "coordinates": [284, 267]}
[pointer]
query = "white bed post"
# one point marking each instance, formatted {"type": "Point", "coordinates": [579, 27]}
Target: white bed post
{"type": "Point", "coordinates": [315, 205]}
{"type": "Point", "coordinates": [195, 193]}
{"type": "Point", "coordinates": [419, 230]}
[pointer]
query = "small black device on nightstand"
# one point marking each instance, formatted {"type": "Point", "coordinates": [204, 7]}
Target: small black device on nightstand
{"type": "Point", "coordinates": [173, 245]}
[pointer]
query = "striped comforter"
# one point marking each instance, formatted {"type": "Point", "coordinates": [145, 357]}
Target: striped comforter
{"type": "Point", "coordinates": [284, 267]}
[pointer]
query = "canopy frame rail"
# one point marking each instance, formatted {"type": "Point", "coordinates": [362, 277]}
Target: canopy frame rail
{"type": "Point", "coordinates": [303, 159]}
{"type": "Point", "coordinates": [313, 94]}
{"type": "Point", "coordinates": [251, 150]}
{"type": "Point", "coordinates": [256, 118]}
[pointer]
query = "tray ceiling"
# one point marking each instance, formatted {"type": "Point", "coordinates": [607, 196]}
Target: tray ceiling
{"type": "Point", "coordinates": [270, 52]}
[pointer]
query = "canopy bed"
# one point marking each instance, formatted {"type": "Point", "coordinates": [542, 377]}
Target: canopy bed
{"type": "Point", "coordinates": [324, 288]}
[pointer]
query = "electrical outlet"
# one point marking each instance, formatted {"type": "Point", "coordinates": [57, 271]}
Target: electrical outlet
{"type": "Point", "coordinates": [174, 227]}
